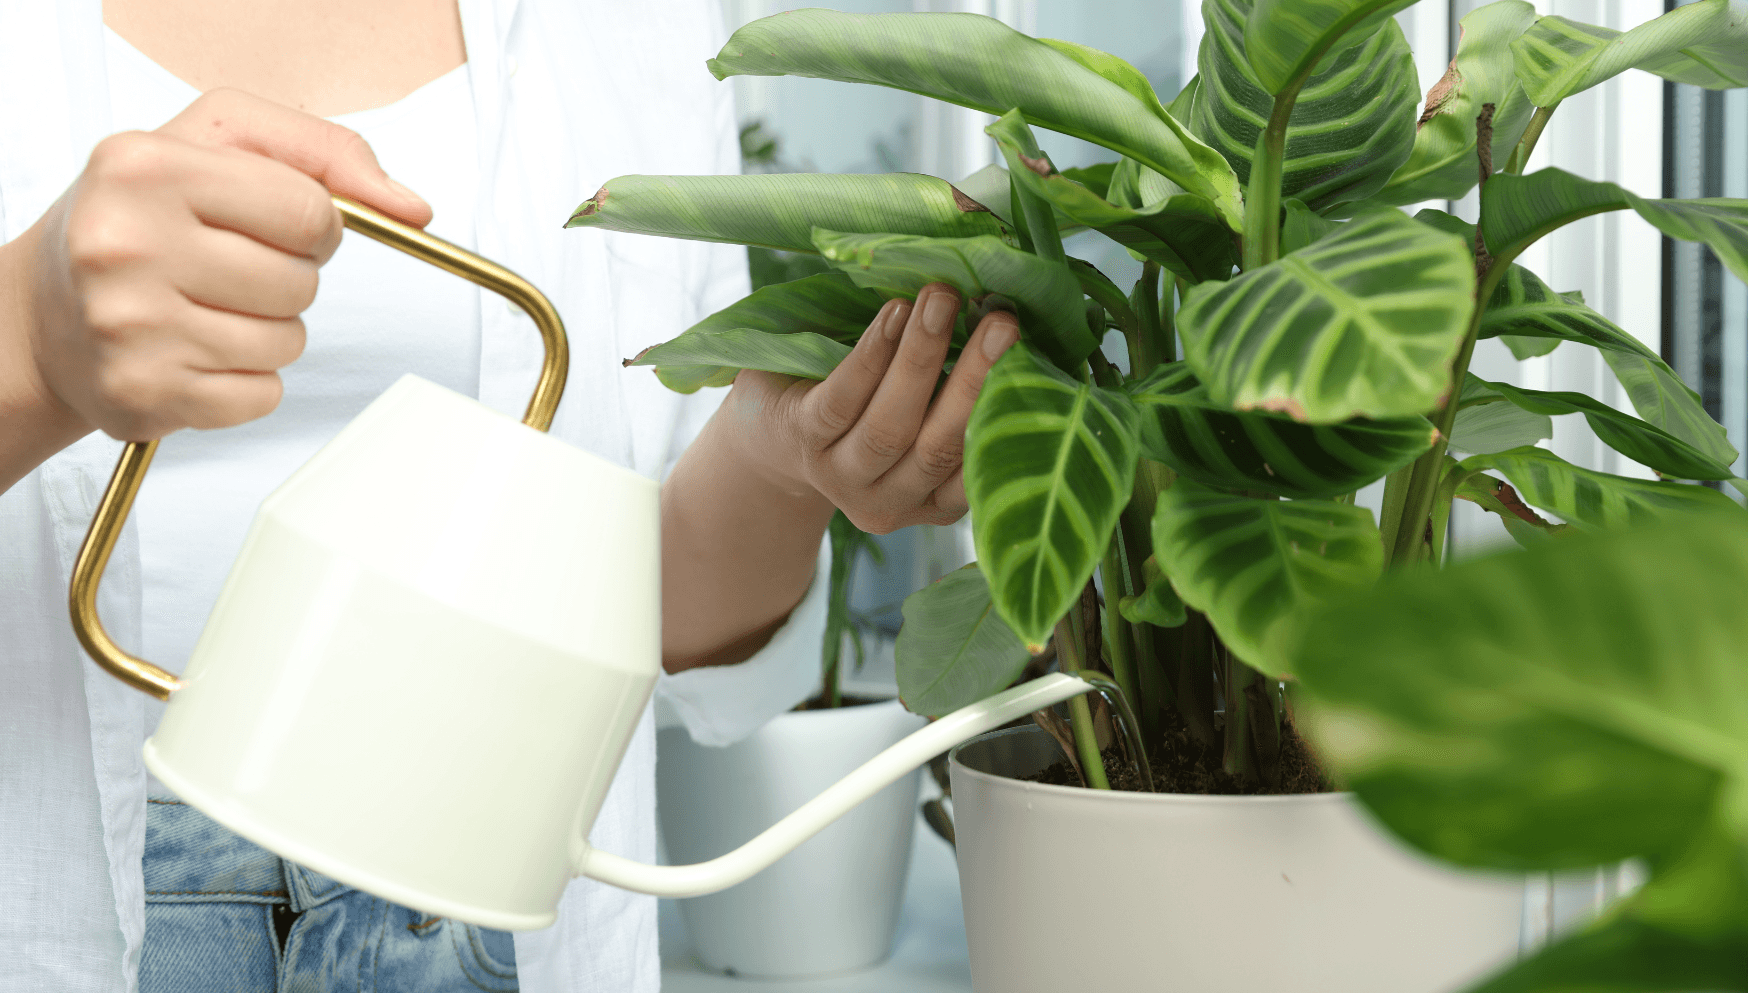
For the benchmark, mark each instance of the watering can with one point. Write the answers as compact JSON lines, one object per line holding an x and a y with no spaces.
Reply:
{"x":431,"y":653}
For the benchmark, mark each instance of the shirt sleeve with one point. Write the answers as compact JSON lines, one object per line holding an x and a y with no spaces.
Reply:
{"x":720,"y":705}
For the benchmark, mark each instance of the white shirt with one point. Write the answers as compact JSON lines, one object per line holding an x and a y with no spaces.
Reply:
{"x":565,"y":95}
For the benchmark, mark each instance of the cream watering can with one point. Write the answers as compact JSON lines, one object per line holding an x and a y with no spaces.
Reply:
{"x":432,"y":651}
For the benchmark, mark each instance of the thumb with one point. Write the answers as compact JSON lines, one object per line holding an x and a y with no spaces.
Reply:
{"x":335,"y":156}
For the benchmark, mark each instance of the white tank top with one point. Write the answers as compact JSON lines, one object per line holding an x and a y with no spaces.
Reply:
{"x":378,"y":314}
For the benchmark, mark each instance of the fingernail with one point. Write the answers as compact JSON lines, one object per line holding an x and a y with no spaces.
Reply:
{"x":939,"y":310}
{"x":998,"y":337}
{"x":897,"y":313}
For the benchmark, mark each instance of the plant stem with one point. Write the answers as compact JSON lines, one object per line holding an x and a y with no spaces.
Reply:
{"x":1039,"y":219}
{"x":1531,"y":134}
{"x":1262,"y":202}
{"x":1195,"y":684}
{"x":1070,"y":652}
{"x":1119,"y":641}
{"x":1103,"y":372}
{"x":1237,"y":757}
{"x":1146,"y":347}
{"x":1390,"y":513}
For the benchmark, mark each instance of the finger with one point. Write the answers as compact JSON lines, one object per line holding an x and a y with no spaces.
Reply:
{"x":218,"y":341}
{"x":228,"y":271}
{"x":332,"y":155}
{"x":886,"y":430}
{"x":226,"y":399}
{"x":949,"y":499}
{"x":832,"y":407}
{"x":940,"y":443}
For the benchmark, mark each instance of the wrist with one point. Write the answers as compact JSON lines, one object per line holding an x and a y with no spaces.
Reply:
{"x":38,"y":423}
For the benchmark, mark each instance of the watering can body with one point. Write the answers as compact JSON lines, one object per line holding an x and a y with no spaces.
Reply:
{"x":427,"y":661}
{"x":433,"y":649}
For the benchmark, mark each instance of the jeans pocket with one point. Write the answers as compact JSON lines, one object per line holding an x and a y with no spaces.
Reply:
{"x":488,"y":957}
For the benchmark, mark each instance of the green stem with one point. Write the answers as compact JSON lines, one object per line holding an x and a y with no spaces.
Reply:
{"x":1262,"y":202}
{"x":1070,"y":645}
{"x":1531,"y":134}
{"x":1103,"y":372}
{"x":1428,"y":470}
{"x":1237,"y":758}
{"x":1390,"y":514}
{"x":1119,"y":641}
{"x":1146,"y":347}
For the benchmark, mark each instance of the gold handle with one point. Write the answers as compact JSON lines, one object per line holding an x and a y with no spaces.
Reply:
{"x":118,"y":499}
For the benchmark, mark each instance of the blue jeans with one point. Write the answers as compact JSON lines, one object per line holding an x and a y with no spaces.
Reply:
{"x":224,"y":914}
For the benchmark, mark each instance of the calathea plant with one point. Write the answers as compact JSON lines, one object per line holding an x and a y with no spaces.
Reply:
{"x":1319,"y":353}
{"x":1293,"y":336}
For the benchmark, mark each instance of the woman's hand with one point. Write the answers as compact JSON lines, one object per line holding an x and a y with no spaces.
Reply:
{"x":163,"y":290}
{"x":873,"y":438}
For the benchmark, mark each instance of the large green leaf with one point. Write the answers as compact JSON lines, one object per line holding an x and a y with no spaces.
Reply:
{"x":781,"y":210}
{"x":1049,"y":463}
{"x":954,"y":649}
{"x":1704,"y":44}
{"x":828,"y":304}
{"x":1518,"y":210}
{"x":1524,"y":307}
{"x":1046,"y":295}
{"x":1661,"y":398}
{"x":801,"y":353}
{"x":1263,"y":451}
{"x":1353,"y":123}
{"x":979,"y":62}
{"x":1589,"y":499}
{"x":1578,"y":703}
{"x":1443,"y":165}
{"x":1184,"y":233}
{"x":1362,"y":323}
{"x":1487,"y":422}
{"x":1638,"y":440}
{"x":1255,"y":567}
{"x":1284,"y":40}
{"x":1624,"y":954}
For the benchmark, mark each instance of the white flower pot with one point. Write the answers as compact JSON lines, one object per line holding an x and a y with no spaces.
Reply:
{"x":828,"y":907}
{"x":1076,"y":889}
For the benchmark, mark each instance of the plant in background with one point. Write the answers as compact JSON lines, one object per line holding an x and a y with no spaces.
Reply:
{"x":1294,"y":336}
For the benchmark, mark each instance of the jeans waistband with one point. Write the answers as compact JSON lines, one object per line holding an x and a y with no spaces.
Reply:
{"x":190,"y":858}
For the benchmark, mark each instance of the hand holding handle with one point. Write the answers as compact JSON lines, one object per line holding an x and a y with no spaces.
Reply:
{"x":130,"y":471}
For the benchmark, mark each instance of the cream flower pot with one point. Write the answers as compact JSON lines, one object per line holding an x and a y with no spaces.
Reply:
{"x":830,"y":906}
{"x":1068,"y":888}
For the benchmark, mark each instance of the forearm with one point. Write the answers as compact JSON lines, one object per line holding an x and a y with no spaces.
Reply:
{"x":738,"y":553}
{"x":34,"y":424}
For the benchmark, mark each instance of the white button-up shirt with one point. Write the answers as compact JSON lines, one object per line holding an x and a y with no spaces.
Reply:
{"x":567,"y":94}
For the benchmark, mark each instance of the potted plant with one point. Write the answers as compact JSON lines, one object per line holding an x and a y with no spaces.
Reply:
{"x":1325,"y":338}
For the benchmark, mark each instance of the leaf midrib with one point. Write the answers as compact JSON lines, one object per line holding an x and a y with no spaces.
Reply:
{"x":1058,"y":474}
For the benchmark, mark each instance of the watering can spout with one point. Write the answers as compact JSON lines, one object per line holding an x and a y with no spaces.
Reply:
{"x":875,"y":775}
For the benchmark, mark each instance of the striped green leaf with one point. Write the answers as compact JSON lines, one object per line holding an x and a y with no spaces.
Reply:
{"x":1158,"y":604}
{"x":1703,"y":44}
{"x":954,"y":649}
{"x":1046,"y":295}
{"x":1363,"y":323}
{"x":1643,"y":442}
{"x":1589,"y":499}
{"x":781,"y":210}
{"x":1575,"y":704}
{"x":801,"y":353}
{"x":1285,"y":40}
{"x":1524,"y":307}
{"x":1262,"y":451}
{"x":1488,"y":422}
{"x":1443,"y":165}
{"x":1184,"y":233}
{"x":1049,"y":463}
{"x":1255,"y":567}
{"x":1353,"y":123}
{"x":1300,"y":226}
{"x":1518,"y":210}
{"x":828,"y":305}
{"x":979,"y":62}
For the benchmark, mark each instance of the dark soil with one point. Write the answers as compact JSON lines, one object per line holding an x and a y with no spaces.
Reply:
{"x":846,"y":700}
{"x":1183,"y":765}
